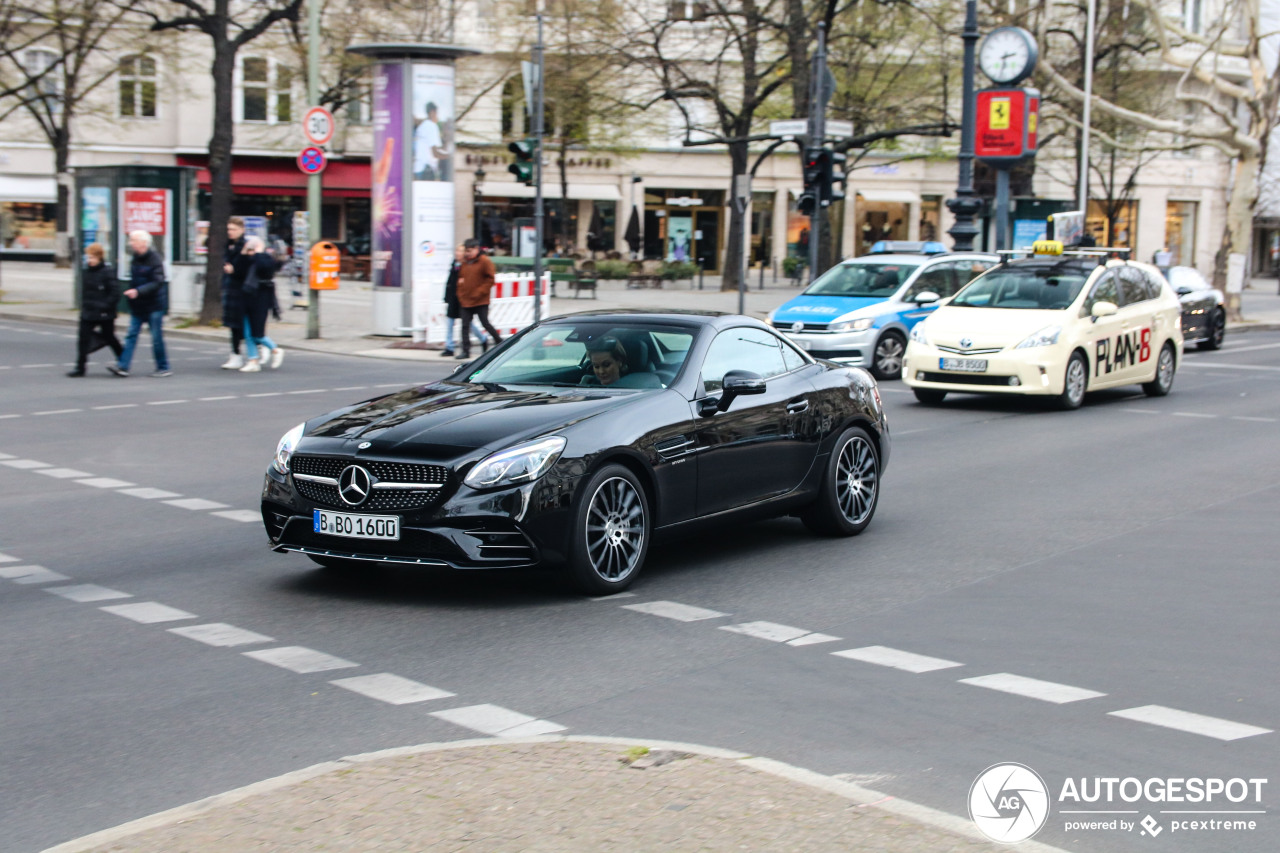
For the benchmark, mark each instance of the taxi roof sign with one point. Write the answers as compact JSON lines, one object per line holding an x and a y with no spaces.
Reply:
{"x":1047,"y":247}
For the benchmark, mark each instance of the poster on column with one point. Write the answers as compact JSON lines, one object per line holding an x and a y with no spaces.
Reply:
{"x":433,"y":195}
{"x":145,"y":209}
{"x":95,"y":217}
{"x":388,"y":175}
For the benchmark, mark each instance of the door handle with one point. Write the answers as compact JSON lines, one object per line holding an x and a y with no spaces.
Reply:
{"x":798,"y":407}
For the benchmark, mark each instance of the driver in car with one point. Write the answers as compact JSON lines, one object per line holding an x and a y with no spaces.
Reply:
{"x":608,"y":361}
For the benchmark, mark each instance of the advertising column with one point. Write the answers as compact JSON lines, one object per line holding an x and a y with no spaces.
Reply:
{"x":432,"y":107}
{"x":388,"y":198}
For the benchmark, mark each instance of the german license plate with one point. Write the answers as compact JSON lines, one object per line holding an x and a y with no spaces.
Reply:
{"x":357,"y":526}
{"x":964,"y":365}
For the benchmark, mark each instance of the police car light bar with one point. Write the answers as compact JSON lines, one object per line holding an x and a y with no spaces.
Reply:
{"x":907,"y":247}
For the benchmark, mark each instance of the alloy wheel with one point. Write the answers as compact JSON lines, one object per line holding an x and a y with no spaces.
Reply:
{"x":1075,"y":380}
{"x":857,"y":478}
{"x":888,"y":356}
{"x":615,"y":529}
{"x":1164,"y":369}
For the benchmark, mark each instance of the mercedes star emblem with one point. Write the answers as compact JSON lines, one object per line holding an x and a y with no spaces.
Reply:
{"x":966,"y":342}
{"x":354,"y":485}
{"x":797,"y":327}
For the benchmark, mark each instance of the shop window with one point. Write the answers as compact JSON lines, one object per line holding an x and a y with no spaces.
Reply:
{"x":930,"y":217}
{"x":266,"y":91}
{"x":1113,"y":225}
{"x":48,"y":88}
{"x":1180,"y":232}
{"x":137,"y":87}
{"x":27,"y":226}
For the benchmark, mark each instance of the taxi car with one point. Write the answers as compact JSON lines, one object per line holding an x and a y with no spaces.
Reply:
{"x":860,"y":312}
{"x":1054,"y":324}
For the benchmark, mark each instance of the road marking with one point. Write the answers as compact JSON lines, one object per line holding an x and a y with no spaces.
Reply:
{"x":213,"y":399}
{"x":221,"y":634}
{"x":7,"y":456}
{"x":148,"y":612}
{"x":266,"y":394}
{"x":105,"y":483}
{"x":674,"y":610}
{"x":812,"y":639}
{"x":5,"y":558}
{"x":38,"y":365}
{"x":239,"y":514}
{"x":167,"y":402}
{"x":1237,"y":349}
{"x":309,"y":391}
{"x":87,"y":592}
{"x":31,"y":574}
{"x":1199,"y":724}
{"x":896,"y":658}
{"x":25,"y":464}
{"x":1253,"y":420}
{"x":299,"y":659}
{"x":611,"y":597}
{"x":7,"y":417}
{"x":1032,"y":688}
{"x":352,"y":388}
{"x":1220,"y":366}
{"x":196,"y":503}
{"x":392,"y":689}
{"x":1134,"y":411}
{"x":1192,"y":415}
{"x":770,"y":631}
{"x":63,"y":473}
{"x":55,"y":412}
{"x":386,"y":385}
{"x":148,"y":493}
{"x":498,"y":721}
{"x":115,"y":406}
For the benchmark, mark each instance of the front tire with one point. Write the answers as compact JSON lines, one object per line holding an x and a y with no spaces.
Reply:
{"x":1075,"y":383}
{"x":610,"y":535}
{"x":929,"y":397}
{"x":1166,"y":364}
{"x":1217,"y":331}
{"x":850,"y":487}
{"x":886,"y":358}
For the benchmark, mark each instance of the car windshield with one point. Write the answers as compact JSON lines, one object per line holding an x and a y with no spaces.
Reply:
{"x":1188,"y":278}
{"x":592,"y":353}
{"x":1039,"y":287}
{"x":862,"y":278}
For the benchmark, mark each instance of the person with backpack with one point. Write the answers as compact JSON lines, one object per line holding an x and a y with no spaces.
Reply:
{"x":99,"y":293}
{"x":259,"y":299}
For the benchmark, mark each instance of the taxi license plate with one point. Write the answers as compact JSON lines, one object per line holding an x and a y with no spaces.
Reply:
{"x":357,"y":526}
{"x":964,"y":365}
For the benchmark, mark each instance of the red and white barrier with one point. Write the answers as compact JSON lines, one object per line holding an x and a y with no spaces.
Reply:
{"x":510,"y":305}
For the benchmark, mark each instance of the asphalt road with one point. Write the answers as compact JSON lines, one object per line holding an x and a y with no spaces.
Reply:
{"x":1123,"y":556}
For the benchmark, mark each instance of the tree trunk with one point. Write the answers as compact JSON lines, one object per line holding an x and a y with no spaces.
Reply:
{"x":733,"y":244}
{"x":1235,"y":236}
{"x":220,"y":191}
{"x":62,"y":216}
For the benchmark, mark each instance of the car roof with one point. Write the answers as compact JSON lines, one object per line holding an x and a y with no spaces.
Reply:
{"x":672,"y":317}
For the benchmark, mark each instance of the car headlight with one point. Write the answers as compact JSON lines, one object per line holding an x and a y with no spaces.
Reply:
{"x":859,"y":325}
{"x":285,"y":448}
{"x":1048,"y":336}
{"x":523,"y":463}
{"x":918,"y":335}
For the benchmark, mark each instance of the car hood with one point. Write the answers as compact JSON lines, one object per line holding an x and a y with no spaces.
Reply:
{"x":820,"y":309}
{"x":459,"y":417}
{"x":988,"y":328}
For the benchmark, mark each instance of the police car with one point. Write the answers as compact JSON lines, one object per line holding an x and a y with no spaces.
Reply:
{"x":861,"y":311}
{"x":1057,"y":323}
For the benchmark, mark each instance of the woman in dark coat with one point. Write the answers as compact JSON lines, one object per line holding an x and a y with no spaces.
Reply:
{"x":259,"y":299}
{"x":99,"y":295}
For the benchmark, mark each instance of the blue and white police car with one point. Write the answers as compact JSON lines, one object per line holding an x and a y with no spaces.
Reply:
{"x":861,"y":311}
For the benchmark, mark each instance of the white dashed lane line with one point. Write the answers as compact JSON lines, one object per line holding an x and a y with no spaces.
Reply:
{"x":1206,"y":415}
{"x":674,"y":610}
{"x":1032,"y":688}
{"x":242,"y":515}
{"x":62,"y":473}
{"x":300,"y":659}
{"x":1185,"y":721}
{"x":497,"y":721}
{"x":776,"y":633}
{"x":221,"y":634}
{"x":5,"y":558}
{"x":30,"y":574}
{"x":214,"y":399}
{"x":896,"y":658}
{"x":86,"y":592}
{"x":106,"y":483}
{"x":392,"y":689}
{"x":55,"y":412}
{"x":147,"y":493}
{"x":196,"y":504}
{"x":148,"y":612}
{"x":25,"y":464}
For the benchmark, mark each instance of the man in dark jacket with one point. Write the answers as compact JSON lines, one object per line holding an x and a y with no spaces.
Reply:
{"x":148,"y":296}
{"x":99,"y":293}
{"x":232,"y":284}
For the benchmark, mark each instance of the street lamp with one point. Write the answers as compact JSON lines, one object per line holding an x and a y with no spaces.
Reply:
{"x":476,"y":193}
{"x":967,"y":204}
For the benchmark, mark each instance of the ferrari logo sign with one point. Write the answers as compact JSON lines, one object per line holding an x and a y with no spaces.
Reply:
{"x":1006,"y":125}
{"x":1000,"y":111}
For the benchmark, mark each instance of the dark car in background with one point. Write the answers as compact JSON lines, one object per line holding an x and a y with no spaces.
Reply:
{"x":1204,"y":314}
{"x":542,"y":453}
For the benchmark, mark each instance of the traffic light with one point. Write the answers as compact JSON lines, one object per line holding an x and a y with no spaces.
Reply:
{"x":807,"y":203}
{"x":833,"y":175}
{"x":522,"y":168}
{"x":814,"y":158}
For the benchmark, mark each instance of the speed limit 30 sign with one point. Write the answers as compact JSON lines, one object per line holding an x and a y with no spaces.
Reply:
{"x":317,"y":125}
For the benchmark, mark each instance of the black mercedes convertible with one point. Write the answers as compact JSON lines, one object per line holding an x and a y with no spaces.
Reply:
{"x":579,"y":441}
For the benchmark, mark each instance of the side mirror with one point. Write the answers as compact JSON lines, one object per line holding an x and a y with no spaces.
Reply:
{"x":925,"y":297}
{"x":739,"y":383}
{"x":1103,"y":309}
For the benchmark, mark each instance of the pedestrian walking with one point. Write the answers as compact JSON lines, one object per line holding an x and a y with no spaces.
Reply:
{"x":475,"y":282}
{"x":232,"y":285}
{"x":99,"y":293}
{"x":453,"y":310}
{"x":148,"y":296}
{"x":259,"y":299}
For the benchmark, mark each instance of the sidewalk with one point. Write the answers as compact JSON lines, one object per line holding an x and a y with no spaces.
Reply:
{"x":40,"y":293}
{"x":550,"y":794}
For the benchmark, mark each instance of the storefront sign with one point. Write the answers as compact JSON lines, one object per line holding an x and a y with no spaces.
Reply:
{"x":1006,"y":125}
{"x":388,"y":174}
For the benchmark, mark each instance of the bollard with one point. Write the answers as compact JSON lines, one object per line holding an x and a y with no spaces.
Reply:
{"x":762,"y":275}
{"x":700,"y":273}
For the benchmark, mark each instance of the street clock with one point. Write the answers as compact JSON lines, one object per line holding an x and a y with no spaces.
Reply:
{"x":1007,"y":55}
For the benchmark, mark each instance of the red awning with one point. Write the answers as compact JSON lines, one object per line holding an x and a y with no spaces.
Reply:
{"x":281,"y":176}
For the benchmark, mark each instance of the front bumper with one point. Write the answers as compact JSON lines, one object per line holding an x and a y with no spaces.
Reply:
{"x":851,"y":348}
{"x":516,"y":527}
{"x":1032,"y":371}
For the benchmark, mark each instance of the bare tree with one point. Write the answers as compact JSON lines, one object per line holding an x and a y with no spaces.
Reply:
{"x":229,"y":29}
{"x":52,"y":59}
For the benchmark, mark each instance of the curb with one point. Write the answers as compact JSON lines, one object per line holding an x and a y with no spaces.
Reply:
{"x":862,"y":797}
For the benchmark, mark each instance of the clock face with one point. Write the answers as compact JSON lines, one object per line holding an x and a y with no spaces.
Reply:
{"x":1007,"y":54}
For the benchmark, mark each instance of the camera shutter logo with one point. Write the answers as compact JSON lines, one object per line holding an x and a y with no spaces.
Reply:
{"x":1009,"y":802}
